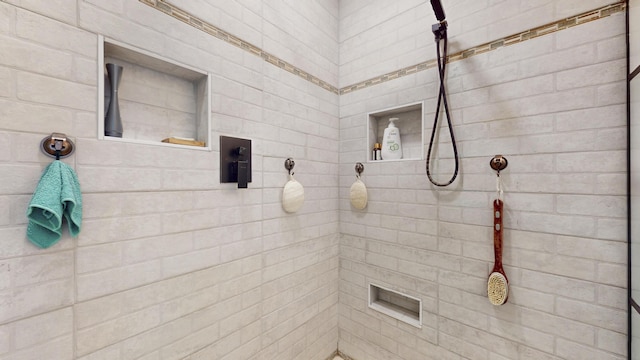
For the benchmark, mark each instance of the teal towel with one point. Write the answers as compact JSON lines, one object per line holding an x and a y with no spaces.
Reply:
{"x":57,"y":195}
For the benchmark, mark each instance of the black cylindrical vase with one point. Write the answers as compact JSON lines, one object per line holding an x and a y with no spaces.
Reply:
{"x":112,"y":120}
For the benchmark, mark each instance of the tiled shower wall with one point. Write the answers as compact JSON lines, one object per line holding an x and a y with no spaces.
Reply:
{"x":555,"y":107}
{"x":171,"y":264}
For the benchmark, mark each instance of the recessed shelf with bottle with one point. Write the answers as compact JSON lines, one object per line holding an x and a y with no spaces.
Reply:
{"x":160,"y":101}
{"x":408,"y":120}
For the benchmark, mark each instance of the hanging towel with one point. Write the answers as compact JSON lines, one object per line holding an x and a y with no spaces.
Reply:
{"x":57,"y":196}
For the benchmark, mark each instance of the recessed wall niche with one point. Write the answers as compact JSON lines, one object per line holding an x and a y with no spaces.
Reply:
{"x":397,"y":305}
{"x":411,"y":124}
{"x":159,"y":99}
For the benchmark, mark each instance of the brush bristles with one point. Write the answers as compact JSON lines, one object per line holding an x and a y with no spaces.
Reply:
{"x":497,"y":288}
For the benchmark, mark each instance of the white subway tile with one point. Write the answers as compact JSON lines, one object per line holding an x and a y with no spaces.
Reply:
{"x":50,"y":91}
{"x":100,"y":179}
{"x":497,"y":344}
{"x":5,"y":210}
{"x":604,"y":206}
{"x":571,"y":330}
{"x":189,"y":262}
{"x":612,"y":274}
{"x":559,"y":285}
{"x":555,"y":224}
{"x":55,"y":34}
{"x":182,"y":306}
{"x":98,"y":257}
{"x":595,"y":315}
{"x":556,"y":264}
{"x":572,"y":351}
{"x":105,"y":282}
{"x":558,"y":60}
{"x":612,"y":296}
{"x":59,"y":349}
{"x":195,"y":345}
{"x":44,"y":268}
{"x":532,"y":354}
{"x":602,"y":73}
{"x":605,"y":251}
{"x":590,"y":32}
{"x":531,"y":299}
{"x":111,"y":332}
{"x":612,"y":341}
{"x":42,"y":328}
{"x":612,"y":229}
{"x":7,"y":18}
{"x":118,"y":229}
{"x":5,"y":339}
{"x":110,"y":352}
{"x":604,"y":161}
{"x":27,"y":56}
{"x":612,"y":93}
{"x":7,"y":83}
{"x":24,"y":179}
{"x":541,"y":340}
{"x":5,"y":275}
{"x":98,"y":310}
{"x":36,"y":299}
{"x":591,"y":118}
{"x":141,"y":250}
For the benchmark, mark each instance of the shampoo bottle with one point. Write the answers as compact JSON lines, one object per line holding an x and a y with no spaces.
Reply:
{"x":391,"y":145}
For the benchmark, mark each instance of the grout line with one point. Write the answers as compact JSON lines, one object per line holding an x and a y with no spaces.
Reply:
{"x":552,"y":27}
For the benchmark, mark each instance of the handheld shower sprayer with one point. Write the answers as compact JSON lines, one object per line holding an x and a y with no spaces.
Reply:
{"x":438,"y":10}
{"x":440,"y":33}
{"x":439,"y":29}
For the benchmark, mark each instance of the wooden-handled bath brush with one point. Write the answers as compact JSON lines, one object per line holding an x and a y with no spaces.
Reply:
{"x":498,"y":284}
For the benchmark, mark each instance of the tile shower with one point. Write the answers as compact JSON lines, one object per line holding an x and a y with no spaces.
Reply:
{"x":171,"y":264}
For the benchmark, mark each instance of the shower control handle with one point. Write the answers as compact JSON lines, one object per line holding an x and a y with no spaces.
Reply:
{"x":242,"y":167}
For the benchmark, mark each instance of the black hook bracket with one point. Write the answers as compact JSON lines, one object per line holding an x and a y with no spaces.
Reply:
{"x":57,"y":146}
{"x":498,"y":163}
{"x":289,"y":164}
{"x":359,"y":169}
{"x":439,"y":30}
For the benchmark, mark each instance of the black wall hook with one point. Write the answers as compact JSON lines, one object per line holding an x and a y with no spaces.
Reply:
{"x":498,"y":163}
{"x":57,"y":146}
{"x":289,"y":164}
{"x":359,"y":169}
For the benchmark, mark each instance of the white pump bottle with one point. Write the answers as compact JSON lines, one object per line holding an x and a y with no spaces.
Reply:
{"x":391,"y":144}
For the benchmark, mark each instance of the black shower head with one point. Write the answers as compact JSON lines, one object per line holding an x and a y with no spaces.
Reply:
{"x":437,"y":9}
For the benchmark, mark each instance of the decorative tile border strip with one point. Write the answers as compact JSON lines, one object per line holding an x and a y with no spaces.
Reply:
{"x":215,"y":31}
{"x":496,"y":44}
{"x":192,"y":20}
